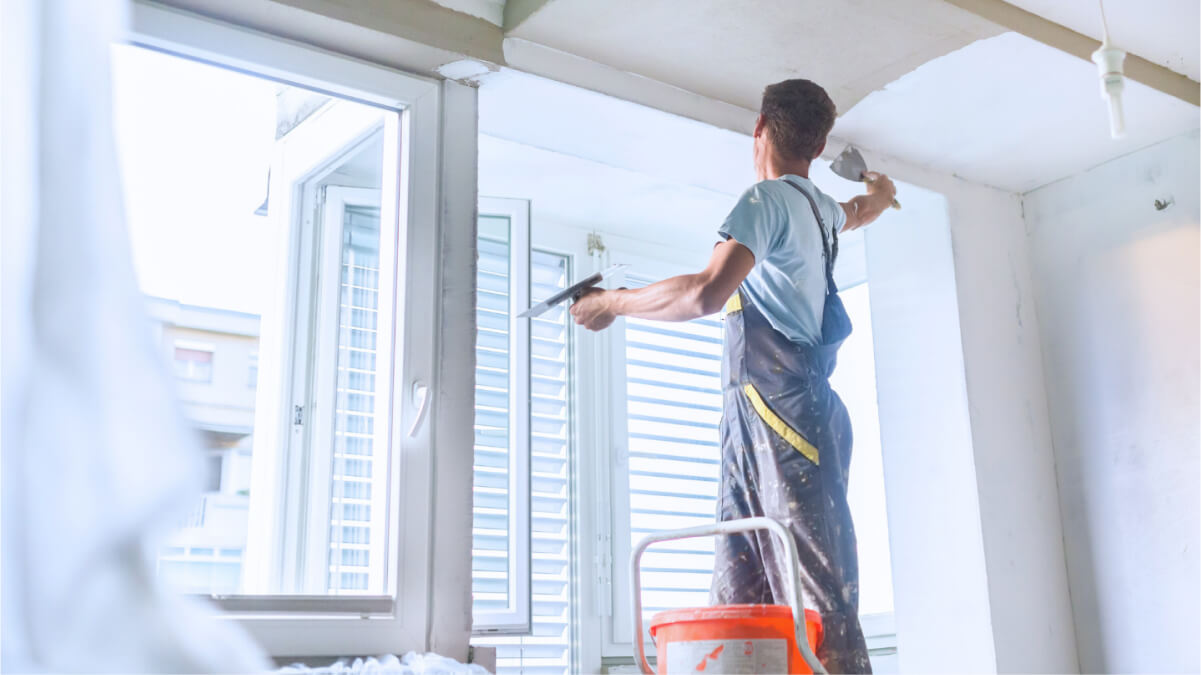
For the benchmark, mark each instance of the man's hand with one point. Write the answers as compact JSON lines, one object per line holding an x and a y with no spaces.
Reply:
{"x":680,"y":298}
{"x":880,"y":186}
{"x":862,"y":210}
{"x":594,"y":309}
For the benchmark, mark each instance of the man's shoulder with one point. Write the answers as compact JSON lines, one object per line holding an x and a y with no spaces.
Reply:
{"x":782,"y":188}
{"x":765,"y":191}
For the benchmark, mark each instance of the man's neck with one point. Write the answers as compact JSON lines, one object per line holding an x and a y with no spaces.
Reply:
{"x":775,"y":167}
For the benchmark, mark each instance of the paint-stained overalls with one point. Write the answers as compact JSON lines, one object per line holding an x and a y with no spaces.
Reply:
{"x":786,"y":448}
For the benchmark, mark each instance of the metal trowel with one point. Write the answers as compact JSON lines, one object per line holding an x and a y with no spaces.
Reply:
{"x":572,"y":293}
{"x":850,"y":165}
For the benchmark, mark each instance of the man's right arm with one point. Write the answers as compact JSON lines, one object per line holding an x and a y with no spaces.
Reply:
{"x":862,"y":210}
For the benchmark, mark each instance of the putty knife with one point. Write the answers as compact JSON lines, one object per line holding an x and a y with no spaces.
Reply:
{"x":850,"y":165}
{"x":573,"y":292}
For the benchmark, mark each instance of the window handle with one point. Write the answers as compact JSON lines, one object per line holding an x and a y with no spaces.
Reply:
{"x":421,"y":401}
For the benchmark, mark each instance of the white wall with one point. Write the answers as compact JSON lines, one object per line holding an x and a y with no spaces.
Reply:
{"x":1117,"y":294}
{"x":938,"y":566}
{"x":1011,"y":435}
{"x":973,"y":514}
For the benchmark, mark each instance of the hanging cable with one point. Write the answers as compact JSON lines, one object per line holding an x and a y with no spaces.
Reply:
{"x":1109,"y":60}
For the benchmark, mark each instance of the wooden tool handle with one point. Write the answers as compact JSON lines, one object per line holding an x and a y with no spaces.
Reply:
{"x":895,"y":204}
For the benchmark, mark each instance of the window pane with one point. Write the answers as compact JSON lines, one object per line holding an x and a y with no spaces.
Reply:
{"x":673,"y":390}
{"x":193,"y":364}
{"x":548,"y":650}
{"x":212,"y":479}
{"x":490,"y":527}
{"x":354,"y":441}
{"x":254,"y":211}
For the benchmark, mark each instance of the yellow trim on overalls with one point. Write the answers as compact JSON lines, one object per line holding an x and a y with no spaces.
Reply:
{"x":734,"y":304}
{"x":778,"y":425}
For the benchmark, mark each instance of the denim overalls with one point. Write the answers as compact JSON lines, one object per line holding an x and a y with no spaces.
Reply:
{"x":786,"y":448}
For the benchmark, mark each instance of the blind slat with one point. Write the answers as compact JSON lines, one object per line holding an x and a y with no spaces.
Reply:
{"x":673,"y":403}
{"x":548,"y":650}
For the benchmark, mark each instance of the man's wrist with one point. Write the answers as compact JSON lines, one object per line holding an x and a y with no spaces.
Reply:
{"x":616,"y":300}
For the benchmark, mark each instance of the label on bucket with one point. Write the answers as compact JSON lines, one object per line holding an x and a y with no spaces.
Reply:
{"x":728,"y":656}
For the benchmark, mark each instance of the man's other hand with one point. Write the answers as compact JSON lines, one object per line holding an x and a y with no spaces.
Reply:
{"x":594,"y":309}
{"x":879,"y":184}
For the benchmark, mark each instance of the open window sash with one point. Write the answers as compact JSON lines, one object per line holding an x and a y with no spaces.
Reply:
{"x":288,"y":545}
{"x":501,"y":570}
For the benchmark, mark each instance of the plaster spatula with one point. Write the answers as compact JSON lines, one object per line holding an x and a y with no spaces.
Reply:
{"x":572,"y":292}
{"x":850,"y":165}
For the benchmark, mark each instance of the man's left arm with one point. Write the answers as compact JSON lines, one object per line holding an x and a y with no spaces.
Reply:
{"x":680,"y":298}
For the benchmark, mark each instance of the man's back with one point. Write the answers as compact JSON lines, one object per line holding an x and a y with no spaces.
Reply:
{"x":788,"y":284}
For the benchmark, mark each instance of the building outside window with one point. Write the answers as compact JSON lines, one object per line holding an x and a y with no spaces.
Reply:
{"x":193,"y":362}
{"x":252,"y":370}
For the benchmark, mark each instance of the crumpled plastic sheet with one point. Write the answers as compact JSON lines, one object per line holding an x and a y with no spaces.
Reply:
{"x":410,"y":664}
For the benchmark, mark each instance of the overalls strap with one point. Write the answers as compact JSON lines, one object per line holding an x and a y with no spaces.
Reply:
{"x":829,"y":252}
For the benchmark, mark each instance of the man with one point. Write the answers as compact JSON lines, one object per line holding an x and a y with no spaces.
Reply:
{"x":786,"y":437}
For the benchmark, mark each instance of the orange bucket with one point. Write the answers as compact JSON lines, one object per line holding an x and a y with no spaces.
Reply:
{"x":732,"y":639}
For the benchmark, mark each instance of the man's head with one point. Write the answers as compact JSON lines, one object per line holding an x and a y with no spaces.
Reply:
{"x":794,"y":120}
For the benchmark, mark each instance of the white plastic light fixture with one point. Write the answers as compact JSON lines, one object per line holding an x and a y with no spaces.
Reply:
{"x":1109,"y":60}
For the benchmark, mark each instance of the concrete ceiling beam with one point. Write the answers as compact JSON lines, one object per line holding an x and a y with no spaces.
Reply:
{"x":415,"y":35}
{"x":1065,"y":39}
{"x":517,"y":11}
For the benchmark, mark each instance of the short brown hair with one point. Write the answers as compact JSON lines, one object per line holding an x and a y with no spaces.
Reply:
{"x":799,"y":115}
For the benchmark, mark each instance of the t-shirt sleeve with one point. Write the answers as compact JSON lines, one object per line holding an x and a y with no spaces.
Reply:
{"x":840,"y":216}
{"x":755,"y":222}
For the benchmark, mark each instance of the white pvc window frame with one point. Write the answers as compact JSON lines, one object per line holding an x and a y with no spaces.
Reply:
{"x":515,"y":618}
{"x":398,"y":621}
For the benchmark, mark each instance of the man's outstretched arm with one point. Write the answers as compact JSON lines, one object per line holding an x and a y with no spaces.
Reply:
{"x":682,"y":298}
{"x":862,"y":210}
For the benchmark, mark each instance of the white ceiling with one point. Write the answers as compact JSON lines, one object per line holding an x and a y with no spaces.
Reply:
{"x":728,"y":50}
{"x":910,"y":77}
{"x":1009,"y":112}
{"x":1161,"y":31}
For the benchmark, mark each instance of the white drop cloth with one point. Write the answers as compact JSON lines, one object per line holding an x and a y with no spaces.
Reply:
{"x":411,"y":664}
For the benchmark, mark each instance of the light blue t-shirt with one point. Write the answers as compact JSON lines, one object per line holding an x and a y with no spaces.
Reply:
{"x":788,"y":282}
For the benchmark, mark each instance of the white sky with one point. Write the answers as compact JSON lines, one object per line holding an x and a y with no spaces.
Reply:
{"x":195,"y":144}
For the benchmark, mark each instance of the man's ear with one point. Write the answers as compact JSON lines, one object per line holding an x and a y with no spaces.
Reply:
{"x":760,"y":125}
{"x":821,"y":149}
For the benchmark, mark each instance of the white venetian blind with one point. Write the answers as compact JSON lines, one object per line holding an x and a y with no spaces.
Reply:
{"x":490,"y":524}
{"x":354,"y":463}
{"x":548,"y":649}
{"x":673,"y":405}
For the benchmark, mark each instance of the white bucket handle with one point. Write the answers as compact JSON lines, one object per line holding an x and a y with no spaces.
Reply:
{"x":725,"y":527}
